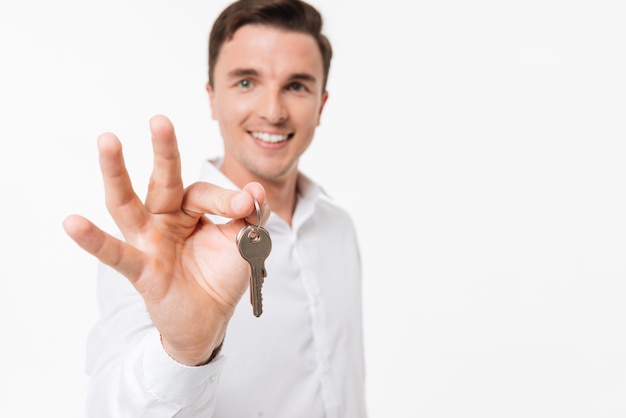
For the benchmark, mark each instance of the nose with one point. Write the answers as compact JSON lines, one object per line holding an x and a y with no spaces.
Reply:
{"x":272,"y":107}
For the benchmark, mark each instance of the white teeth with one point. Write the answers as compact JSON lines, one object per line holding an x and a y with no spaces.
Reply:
{"x":273,"y":138}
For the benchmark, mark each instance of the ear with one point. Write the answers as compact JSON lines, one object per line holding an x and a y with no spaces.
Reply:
{"x":211,"y":93}
{"x":319,"y":115}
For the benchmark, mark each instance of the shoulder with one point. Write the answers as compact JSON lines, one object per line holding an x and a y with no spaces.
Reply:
{"x":329,"y":207}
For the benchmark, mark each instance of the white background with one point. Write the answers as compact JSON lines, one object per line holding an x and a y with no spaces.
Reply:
{"x":479,"y":145}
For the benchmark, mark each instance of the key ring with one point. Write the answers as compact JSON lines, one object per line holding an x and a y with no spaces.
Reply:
{"x":258,"y":214}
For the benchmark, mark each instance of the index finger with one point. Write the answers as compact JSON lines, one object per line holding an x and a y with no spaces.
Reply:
{"x":206,"y":198}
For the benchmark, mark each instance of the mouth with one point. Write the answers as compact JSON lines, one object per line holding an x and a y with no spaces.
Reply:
{"x":271,"y":138}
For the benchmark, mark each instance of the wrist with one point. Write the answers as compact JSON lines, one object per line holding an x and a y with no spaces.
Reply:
{"x":193,"y":358}
{"x":214,"y":354}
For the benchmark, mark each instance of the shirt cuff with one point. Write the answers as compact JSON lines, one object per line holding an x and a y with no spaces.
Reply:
{"x":177,"y":383}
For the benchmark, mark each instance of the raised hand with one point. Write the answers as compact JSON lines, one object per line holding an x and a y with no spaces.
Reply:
{"x":187,"y":269}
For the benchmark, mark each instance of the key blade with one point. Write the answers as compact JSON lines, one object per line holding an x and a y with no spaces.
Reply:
{"x":256,"y":284}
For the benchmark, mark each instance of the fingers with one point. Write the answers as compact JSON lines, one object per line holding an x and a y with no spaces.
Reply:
{"x":121,"y":256}
{"x":165,"y":191}
{"x":123,"y":204}
{"x":201,"y":198}
{"x":257,"y":190}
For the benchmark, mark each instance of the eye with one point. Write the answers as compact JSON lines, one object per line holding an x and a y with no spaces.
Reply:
{"x":244,"y":84}
{"x":297,"y":87}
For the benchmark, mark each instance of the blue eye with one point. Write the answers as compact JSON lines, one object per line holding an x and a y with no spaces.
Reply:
{"x":244,"y":83}
{"x":297,"y":87}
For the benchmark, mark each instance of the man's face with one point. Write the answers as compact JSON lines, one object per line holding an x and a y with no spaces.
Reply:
{"x":267,"y":97}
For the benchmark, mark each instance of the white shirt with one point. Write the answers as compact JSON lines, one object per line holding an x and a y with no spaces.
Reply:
{"x":303,"y":358}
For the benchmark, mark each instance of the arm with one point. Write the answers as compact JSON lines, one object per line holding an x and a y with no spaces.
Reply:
{"x":130,"y":373}
{"x":186,"y":269}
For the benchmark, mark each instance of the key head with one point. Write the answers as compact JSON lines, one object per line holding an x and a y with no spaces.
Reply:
{"x":254,"y":243}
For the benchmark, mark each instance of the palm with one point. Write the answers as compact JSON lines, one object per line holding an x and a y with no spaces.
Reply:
{"x":181,"y":251}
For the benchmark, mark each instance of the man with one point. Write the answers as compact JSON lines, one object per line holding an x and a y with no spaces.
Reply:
{"x":173,"y":339}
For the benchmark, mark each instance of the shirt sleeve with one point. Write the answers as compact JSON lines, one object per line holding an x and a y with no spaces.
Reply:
{"x":130,"y":373}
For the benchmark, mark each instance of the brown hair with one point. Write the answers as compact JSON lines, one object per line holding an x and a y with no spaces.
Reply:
{"x":291,"y":15}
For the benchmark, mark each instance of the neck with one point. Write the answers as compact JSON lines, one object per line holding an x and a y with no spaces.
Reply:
{"x":282,"y":197}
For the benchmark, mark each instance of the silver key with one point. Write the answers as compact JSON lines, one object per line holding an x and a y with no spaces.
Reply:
{"x":254,"y":245}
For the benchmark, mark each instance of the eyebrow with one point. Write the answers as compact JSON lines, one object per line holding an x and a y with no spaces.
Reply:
{"x":242,"y":72}
{"x":250,"y":72}
{"x":303,"y":77}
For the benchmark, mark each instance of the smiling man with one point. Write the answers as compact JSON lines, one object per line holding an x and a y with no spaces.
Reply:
{"x":267,"y":91}
{"x":173,"y":339}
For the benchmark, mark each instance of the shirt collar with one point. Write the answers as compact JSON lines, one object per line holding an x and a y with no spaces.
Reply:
{"x":309,"y":192}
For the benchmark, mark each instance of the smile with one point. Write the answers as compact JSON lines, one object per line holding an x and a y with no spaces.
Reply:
{"x":270,"y":138}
